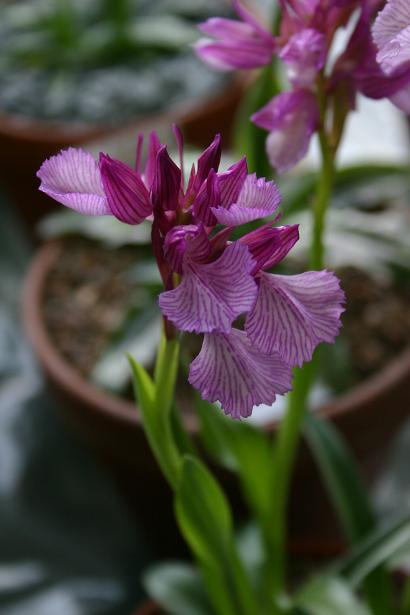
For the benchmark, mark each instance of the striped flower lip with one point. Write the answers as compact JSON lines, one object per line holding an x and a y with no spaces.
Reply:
{"x":210,"y":282}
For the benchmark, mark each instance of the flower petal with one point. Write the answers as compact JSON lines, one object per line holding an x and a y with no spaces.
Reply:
{"x":167,"y":182}
{"x":292,"y":118}
{"x":190,"y":240}
{"x":269,"y":245}
{"x":127,"y":196}
{"x":211,"y":296}
{"x":239,"y":44}
{"x":293,"y":314}
{"x":395,"y":54}
{"x":231,"y":181}
{"x":207,"y":198}
{"x":154,"y":145}
{"x":257,"y":199}
{"x":394,"y":18}
{"x":73,"y":178}
{"x":230,"y":370}
{"x":305,"y":55}
{"x":209,"y":159}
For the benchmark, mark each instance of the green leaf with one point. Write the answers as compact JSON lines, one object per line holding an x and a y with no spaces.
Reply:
{"x":205,"y":521}
{"x":242,"y":448}
{"x":166,"y":369}
{"x":349,"y":496}
{"x":156,"y":424}
{"x":341,"y":477}
{"x":329,"y":596}
{"x":380,"y":547}
{"x":178,"y":589}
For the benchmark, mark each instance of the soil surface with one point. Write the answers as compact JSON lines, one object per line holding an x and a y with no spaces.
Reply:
{"x":88,"y":292}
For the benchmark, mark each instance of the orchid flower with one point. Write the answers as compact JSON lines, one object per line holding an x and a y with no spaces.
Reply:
{"x":210,"y":281}
{"x":303,"y":44}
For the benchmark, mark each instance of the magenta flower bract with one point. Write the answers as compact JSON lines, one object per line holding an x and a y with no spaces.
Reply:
{"x":256,"y":325}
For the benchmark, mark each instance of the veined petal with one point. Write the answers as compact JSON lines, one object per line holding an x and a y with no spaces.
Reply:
{"x":257,"y":199}
{"x":395,"y":54}
{"x":167,"y":182}
{"x":188,"y":240}
{"x":207,"y":198}
{"x":154,"y":145}
{"x":211,"y":296}
{"x":269,"y":244}
{"x":231,"y":181}
{"x":291,"y":118}
{"x":232,"y":371}
{"x":293,"y":314}
{"x":128,"y":198}
{"x":73,"y":178}
{"x":209,"y":159}
{"x":394,"y":18}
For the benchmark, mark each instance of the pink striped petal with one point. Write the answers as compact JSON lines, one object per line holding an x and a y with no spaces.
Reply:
{"x":231,"y":181}
{"x":127,"y":196}
{"x":73,"y":178}
{"x":211,"y":296}
{"x":269,"y":245}
{"x":208,"y":196}
{"x":293,"y":314}
{"x":232,"y":371}
{"x":190,"y":240}
{"x":257,"y":199}
{"x":209,"y":159}
{"x":396,"y":54}
{"x":394,"y":18}
{"x":154,"y":145}
{"x":167,"y":182}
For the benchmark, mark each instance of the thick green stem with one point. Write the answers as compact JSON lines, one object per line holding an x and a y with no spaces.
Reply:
{"x":287,"y":440}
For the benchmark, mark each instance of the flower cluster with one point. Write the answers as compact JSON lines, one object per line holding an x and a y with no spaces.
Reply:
{"x":377,"y":66}
{"x":209,"y":281}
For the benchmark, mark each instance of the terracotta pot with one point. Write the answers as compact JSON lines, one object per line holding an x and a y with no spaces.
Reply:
{"x":25,"y":143}
{"x":368,"y":416}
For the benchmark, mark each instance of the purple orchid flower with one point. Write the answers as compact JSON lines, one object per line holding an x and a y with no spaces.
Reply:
{"x":210,"y":282}
{"x":291,"y":118}
{"x":235,"y":44}
{"x":359,"y":67}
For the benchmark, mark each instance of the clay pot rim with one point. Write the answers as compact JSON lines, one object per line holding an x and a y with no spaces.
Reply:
{"x":18,"y":126}
{"x":99,"y":401}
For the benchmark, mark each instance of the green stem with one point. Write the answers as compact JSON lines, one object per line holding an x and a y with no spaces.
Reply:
{"x":287,"y":440}
{"x":324,"y":194}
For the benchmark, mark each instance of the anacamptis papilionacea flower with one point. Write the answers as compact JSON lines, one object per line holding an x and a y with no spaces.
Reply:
{"x":210,"y":282}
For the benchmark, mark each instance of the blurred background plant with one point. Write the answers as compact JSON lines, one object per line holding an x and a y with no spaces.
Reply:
{"x":76,"y":61}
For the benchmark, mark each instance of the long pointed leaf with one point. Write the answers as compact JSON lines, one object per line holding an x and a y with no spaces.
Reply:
{"x":377,"y":549}
{"x":351,"y":502}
